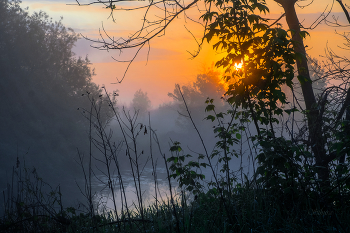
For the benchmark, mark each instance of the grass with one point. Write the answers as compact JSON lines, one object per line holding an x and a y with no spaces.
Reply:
{"x":251,"y":210}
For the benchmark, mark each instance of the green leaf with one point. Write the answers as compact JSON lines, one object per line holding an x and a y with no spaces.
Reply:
{"x":210,"y":117}
{"x":278,"y":111}
{"x":175,"y":148}
{"x":209,"y":108}
{"x":291,"y":110}
{"x":303,"y":34}
{"x":220,"y":115}
{"x":238,"y":136}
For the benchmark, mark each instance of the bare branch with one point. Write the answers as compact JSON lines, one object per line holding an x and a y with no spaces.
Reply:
{"x":344,"y":9}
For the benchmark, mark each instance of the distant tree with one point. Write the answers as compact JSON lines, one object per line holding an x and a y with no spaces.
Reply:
{"x":209,"y":84}
{"x":141,"y":102}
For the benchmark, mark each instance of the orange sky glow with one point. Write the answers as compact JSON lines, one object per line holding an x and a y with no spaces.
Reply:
{"x":168,"y":62}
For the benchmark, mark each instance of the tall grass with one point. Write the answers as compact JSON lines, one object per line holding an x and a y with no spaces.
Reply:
{"x":196,"y":204}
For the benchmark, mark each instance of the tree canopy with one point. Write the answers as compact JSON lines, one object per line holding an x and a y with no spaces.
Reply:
{"x":141,"y":102}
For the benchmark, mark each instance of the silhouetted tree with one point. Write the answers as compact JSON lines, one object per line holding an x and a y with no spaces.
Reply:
{"x":141,"y":102}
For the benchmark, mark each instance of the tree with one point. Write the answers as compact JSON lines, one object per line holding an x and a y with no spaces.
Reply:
{"x":206,"y":85}
{"x":268,"y":53}
{"x":141,"y":102}
{"x":42,"y":86}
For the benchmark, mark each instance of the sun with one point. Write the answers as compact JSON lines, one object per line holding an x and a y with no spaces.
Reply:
{"x":238,"y":65}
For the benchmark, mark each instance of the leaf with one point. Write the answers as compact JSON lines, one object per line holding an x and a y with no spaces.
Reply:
{"x":261,"y":7}
{"x":209,"y":108}
{"x":303,"y":79}
{"x":175,"y":148}
{"x":303,"y":34}
{"x":253,"y":18}
{"x":260,"y":27}
{"x":210,"y":117}
{"x":238,"y":136}
{"x":278,"y":111}
{"x":220,"y":115}
{"x":291,"y":110}
{"x":231,"y":100}
{"x":170,"y":159}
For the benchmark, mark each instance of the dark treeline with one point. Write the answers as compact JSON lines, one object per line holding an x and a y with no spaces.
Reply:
{"x":41,"y":89}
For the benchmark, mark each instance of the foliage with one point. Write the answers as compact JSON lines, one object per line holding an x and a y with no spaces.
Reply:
{"x":187,"y":178}
{"x":266,"y":53}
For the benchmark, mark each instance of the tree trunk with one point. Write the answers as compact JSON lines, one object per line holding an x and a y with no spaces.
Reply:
{"x":313,"y":116}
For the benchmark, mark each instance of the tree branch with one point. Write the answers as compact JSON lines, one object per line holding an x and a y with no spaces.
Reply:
{"x":344,"y":9}
{"x":343,"y":108}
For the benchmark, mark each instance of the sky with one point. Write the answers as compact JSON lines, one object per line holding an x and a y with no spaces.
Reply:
{"x":169,"y":61}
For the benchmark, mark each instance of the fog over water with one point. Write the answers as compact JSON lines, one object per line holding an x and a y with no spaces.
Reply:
{"x":170,"y":125}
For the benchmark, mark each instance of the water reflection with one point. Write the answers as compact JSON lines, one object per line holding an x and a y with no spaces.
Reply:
{"x":104,"y":199}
